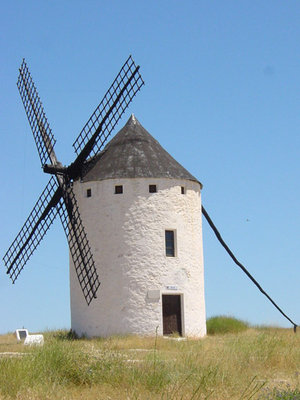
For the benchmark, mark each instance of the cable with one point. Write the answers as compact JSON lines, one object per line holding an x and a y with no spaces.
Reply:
{"x":219,"y":237}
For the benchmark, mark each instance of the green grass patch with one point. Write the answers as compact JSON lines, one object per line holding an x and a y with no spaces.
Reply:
{"x":223,"y":324}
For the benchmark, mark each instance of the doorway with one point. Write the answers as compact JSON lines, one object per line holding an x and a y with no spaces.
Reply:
{"x":171,"y":307}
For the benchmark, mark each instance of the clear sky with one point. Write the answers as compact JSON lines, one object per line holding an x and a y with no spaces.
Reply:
{"x":222,"y":96}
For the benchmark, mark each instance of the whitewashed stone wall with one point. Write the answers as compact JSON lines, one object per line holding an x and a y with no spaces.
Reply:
{"x":127,"y":235}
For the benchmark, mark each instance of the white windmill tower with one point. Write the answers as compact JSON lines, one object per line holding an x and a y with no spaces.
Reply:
{"x":142,"y":212}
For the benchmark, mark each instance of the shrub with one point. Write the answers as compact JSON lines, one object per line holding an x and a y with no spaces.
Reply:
{"x":222,"y":324}
{"x":66,"y":335}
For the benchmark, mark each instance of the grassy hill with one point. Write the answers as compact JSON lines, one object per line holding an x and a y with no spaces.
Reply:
{"x":243,"y":363}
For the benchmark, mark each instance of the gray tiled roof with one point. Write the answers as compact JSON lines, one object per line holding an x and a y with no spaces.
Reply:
{"x":134,"y":153}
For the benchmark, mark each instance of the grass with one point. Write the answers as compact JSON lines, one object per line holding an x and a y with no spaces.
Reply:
{"x":250,"y":364}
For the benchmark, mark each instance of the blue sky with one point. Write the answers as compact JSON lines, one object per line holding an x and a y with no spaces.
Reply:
{"x":222,"y":96}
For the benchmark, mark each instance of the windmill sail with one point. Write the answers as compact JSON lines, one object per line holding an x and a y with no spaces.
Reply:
{"x":38,"y":122}
{"x":79,"y":246}
{"x":33,"y":230}
{"x":111,"y":108}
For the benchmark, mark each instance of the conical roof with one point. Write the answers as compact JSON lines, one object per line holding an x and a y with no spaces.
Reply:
{"x":134,"y":153}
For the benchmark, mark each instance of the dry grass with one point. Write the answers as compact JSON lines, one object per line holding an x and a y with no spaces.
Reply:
{"x":8,"y":343}
{"x":229,"y":366}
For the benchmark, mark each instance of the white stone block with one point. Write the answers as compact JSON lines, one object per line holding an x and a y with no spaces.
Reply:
{"x":36,"y":340}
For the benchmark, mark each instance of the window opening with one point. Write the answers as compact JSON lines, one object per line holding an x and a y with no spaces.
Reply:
{"x":89,"y":193}
{"x":170,"y":243}
{"x":118,"y":189}
{"x":182,"y":190}
{"x":152,"y":189}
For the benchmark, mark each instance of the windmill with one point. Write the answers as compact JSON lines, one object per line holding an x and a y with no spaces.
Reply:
{"x":142,"y":205}
{"x":58,"y":196}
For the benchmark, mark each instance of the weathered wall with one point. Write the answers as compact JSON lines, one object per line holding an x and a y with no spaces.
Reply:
{"x":127,"y":235}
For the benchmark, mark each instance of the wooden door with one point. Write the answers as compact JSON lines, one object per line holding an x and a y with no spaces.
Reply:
{"x":171,"y":305}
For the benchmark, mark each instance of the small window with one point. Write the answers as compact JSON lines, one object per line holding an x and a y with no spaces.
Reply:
{"x":89,"y":193}
{"x":170,"y":243}
{"x":182,"y":190}
{"x":118,"y":189}
{"x":152,"y":189}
